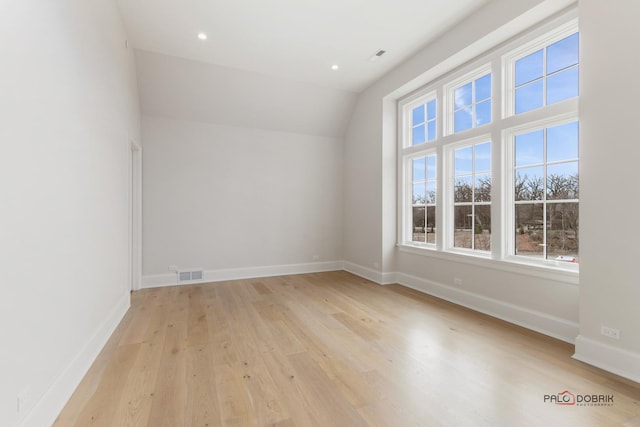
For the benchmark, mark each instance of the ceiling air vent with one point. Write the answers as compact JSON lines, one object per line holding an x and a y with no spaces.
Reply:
{"x":377,"y":55}
{"x":188,"y":276}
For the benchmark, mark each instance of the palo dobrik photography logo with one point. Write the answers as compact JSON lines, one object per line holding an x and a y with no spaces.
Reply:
{"x":565,"y":397}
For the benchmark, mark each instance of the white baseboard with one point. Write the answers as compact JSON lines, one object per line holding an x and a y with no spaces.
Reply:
{"x":610,"y":358}
{"x":159,"y":280}
{"x":378,"y":277}
{"x":552,"y":326}
{"x":155,"y":281}
{"x":388,"y":278}
{"x":48,"y":407}
{"x":546,"y":324}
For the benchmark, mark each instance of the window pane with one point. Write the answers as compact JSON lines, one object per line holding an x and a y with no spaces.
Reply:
{"x":482,"y":192}
{"x":529,"y":68}
{"x":430,"y":226}
{"x":462,"y":230}
{"x":482,"y":228}
{"x":463,"y":190}
{"x":529,"y":230}
{"x":563,"y":85}
{"x":431,"y":109}
{"x":462,"y":120}
{"x":463,"y":159}
{"x":529,"y":184}
{"x":530,"y":148}
{"x":418,"y":193}
{"x":418,"y":115}
{"x":431,"y":131}
{"x":562,"y":181}
{"x":529,"y":97}
{"x":562,"y":142}
{"x":419,"y":169}
{"x":483,"y":157}
{"x":431,"y":192}
{"x":462,"y":96}
{"x":562,"y":231}
{"x":483,"y":88}
{"x":431,"y":167}
{"x":562,"y":54}
{"x":418,"y":234}
{"x":418,"y":135}
{"x":483,"y":113}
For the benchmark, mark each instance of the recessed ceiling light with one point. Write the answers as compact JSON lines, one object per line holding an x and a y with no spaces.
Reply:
{"x":202,"y":36}
{"x":334,"y":67}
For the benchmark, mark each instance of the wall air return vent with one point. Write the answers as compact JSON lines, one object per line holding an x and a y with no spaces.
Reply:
{"x":189,"y":276}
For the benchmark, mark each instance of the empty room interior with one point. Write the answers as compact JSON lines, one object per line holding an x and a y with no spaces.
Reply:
{"x":319,"y":213}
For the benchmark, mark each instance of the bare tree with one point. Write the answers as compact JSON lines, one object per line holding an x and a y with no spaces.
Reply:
{"x":535,"y":188}
{"x":463,"y":191}
{"x":519,"y":187}
{"x":483,"y":189}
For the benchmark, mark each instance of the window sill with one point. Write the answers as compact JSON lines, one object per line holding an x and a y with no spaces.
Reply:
{"x":553,"y":271}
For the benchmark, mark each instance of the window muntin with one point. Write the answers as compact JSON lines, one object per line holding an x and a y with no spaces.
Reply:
{"x":472,"y":196}
{"x":423,"y":199}
{"x":423,"y":122}
{"x":472,"y":103}
{"x":547,"y":76}
{"x":546,"y":193}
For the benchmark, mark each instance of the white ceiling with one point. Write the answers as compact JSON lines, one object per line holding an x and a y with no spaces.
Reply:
{"x":294,"y":39}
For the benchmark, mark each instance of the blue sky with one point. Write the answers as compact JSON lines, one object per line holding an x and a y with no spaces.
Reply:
{"x":463,"y":159}
{"x":544,"y":77}
{"x":464,"y":103}
{"x":560,"y":74}
{"x":562,"y":145}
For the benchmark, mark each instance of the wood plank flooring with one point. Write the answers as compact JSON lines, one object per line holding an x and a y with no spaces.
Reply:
{"x":332,"y":350}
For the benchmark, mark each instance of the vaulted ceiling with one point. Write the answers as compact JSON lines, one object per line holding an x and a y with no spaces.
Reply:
{"x":294,"y":39}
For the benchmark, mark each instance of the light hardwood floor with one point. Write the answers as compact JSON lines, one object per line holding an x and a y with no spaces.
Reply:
{"x":330,"y":350}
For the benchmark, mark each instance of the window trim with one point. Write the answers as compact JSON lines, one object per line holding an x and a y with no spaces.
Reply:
{"x":508,"y":178}
{"x":549,"y":272}
{"x":509,"y":60}
{"x":449,"y":225}
{"x":449,"y":98}
{"x":407,"y":116}
{"x":493,"y":58}
{"x":408,"y":199}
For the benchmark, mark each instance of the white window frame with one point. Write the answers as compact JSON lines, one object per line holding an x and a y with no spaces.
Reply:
{"x":508,"y":148}
{"x":449,"y":151}
{"x":500,"y":62}
{"x":449,"y":100}
{"x":408,"y":191}
{"x":407,"y":116}
{"x":509,"y":61}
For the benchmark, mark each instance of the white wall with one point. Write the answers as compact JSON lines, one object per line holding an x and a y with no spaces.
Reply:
{"x":608,"y":292}
{"x":68,"y":107}
{"x":609,"y":278}
{"x":242,"y":171}
{"x":247,"y":200}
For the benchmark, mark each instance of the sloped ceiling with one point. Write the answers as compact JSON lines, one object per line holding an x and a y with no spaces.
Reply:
{"x":267,"y":63}
{"x":295,"y":39}
{"x":196,"y":91}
